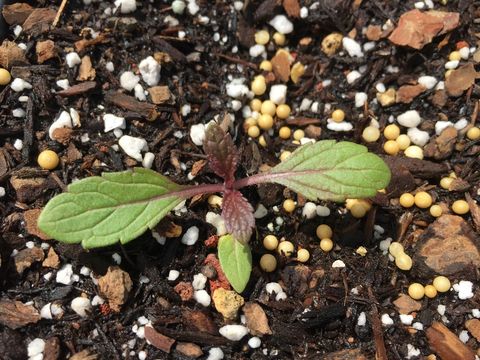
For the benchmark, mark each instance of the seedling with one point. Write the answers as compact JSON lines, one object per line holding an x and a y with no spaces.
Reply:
{"x":102,"y":210}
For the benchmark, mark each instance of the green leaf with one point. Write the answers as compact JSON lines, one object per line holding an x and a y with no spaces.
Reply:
{"x":235,"y":260}
{"x":330,"y":170}
{"x":99,"y":211}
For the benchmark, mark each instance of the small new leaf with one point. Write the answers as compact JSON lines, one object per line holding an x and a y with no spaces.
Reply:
{"x":330,"y":170}
{"x":221,"y":152}
{"x":236,"y":261}
{"x":100,"y":211}
{"x":238,"y":215}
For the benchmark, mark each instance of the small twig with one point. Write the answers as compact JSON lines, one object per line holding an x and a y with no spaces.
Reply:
{"x":59,"y":13}
{"x":237,"y":60}
{"x":381,"y":352}
{"x":473,"y":119}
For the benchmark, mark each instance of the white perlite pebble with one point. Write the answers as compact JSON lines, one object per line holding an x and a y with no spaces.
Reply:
{"x":254,"y":342}
{"x":217,"y":221}
{"x":260,"y":212}
{"x":2,"y":191}
{"x":128,"y":80}
{"x":75,"y":116}
{"x":273,"y":288}
{"x":18,"y":144}
{"x":360,"y":99}
{"x":202,"y":297}
{"x":409,"y":119}
{"x":352,"y":76}
{"x":380,"y":87}
{"x":148,"y":159}
{"x":139,"y":93}
{"x":142,"y":355}
{"x":63,"y":84}
{"x":338,"y":264}
{"x":192,"y":7}
{"x":441,"y":309}
{"x":236,"y":105}
{"x":464,"y":336}
{"x":215,"y":354}
{"x":178,"y":7}
{"x":81,"y":305}
{"x":352,"y":47}
{"x":309,"y":210}
{"x":278,"y":94}
{"x":150,"y":71}
{"x":442,"y":125}
{"x":453,"y":64}
{"x":281,"y":24}
{"x":362,"y":319}
{"x":35,"y":347}
{"x":412,"y":351}
{"x":186,"y":109}
{"x":97,"y":300}
{"x":65,"y":274}
{"x":18,"y":85}
{"x":418,"y":137}
{"x":199,"y":281}
{"x":72,"y":59}
{"x":18,"y":113}
{"x":418,"y":326}
{"x":406,"y":319}
{"x":197,"y":134}
{"x":386,"y":320}
{"x":126,"y":6}
{"x":117,"y":258}
{"x":233,"y":332}
{"x":464,"y":289}
{"x":323,"y":211}
{"x":476,"y":313}
{"x":236,"y":88}
{"x":113,"y":122}
{"x":464,"y":52}
{"x":133,"y":146}
{"x":342,"y":126}
{"x":256,"y":50}
{"x":191,"y":236}
{"x":173,"y":275}
{"x":63,"y":120}
{"x":461,"y":124}
{"x":428,"y":81}
{"x":109,"y":66}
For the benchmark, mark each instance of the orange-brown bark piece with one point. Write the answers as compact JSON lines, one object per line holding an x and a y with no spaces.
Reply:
{"x":446,"y":344}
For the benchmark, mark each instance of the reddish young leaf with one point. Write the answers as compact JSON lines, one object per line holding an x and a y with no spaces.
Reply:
{"x":221,"y":152}
{"x":238,"y":215}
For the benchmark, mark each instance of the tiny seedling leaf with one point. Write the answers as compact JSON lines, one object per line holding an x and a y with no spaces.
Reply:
{"x":238,"y":215}
{"x":330,"y":170}
{"x":235,"y":260}
{"x":100,"y":211}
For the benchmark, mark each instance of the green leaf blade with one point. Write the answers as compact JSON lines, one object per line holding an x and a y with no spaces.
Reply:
{"x":100,"y":211}
{"x":236,"y":261}
{"x":330,"y":170}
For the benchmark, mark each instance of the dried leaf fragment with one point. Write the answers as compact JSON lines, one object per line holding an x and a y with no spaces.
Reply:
{"x":115,"y":285}
{"x":281,"y":65}
{"x":86,"y":71}
{"x":39,"y":21}
{"x":17,"y":13}
{"x":15,"y":314}
{"x":256,"y":319}
{"x":45,"y":50}
{"x":460,"y":80}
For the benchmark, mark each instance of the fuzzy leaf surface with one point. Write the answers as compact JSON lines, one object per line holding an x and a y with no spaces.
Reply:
{"x":238,"y":215}
{"x":221,"y":152}
{"x":236,"y":261}
{"x":330,"y":170}
{"x":100,"y":211}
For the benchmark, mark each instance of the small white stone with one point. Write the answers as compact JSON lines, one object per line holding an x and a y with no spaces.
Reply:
{"x":314,"y":107}
{"x":81,"y":305}
{"x":111,"y":122}
{"x":360,"y":99}
{"x":109,"y":66}
{"x":35,"y":347}
{"x":442,"y":125}
{"x":362,"y":319}
{"x":260,"y":212}
{"x":236,"y":88}
{"x":23,"y":98}
{"x":419,"y":5}
{"x":18,"y":85}
{"x":128,"y":80}
{"x":72,"y":59}
{"x":409,"y":119}
{"x":385,"y":244}
{"x":64,"y":275}
{"x":197,"y":134}
{"x":305,"y":104}
{"x":2,"y":191}
{"x":118,"y":134}
{"x":75,"y":116}
{"x":191,"y":236}
{"x":406,"y":319}
{"x":139,"y":93}
{"x":338,"y":264}
{"x":178,"y":7}
{"x":256,"y":50}
{"x":217,"y":221}
{"x":461,"y":124}
{"x":199,"y":281}
{"x":440,"y":85}
{"x":117,"y":258}
{"x":202,"y":297}
{"x":418,"y":137}
{"x":17,"y":30}
{"x":441,"y":309}
{"x":192,"y":7}
{"x":352,"y":76}
{"x":281,"y":24}
{"x":304,"y":12}
{"x":464,"y":289}
{"x":476,"y":313}
{"x":133,"y":146}
{"x":418,"y":326}
{"x":453,"y":64}
{"x":412,"y":351}
{"x":429,"y":4}
{"x":369,"y":46}
{"x":148,"y":159}
{"x":323,"y":211}
{"x":171,"y":22}
{"x":254,"y":342}
{"x":173,"y":275}
{"x":464,"y":336}
{"x":63,"y":84}
{"x":18,"y":144}
{"x":380,"y":87}
{"x":45,"y":312}
{"x":464,"y":52}
{"x":341,"y":126}
{"x":97,"y":300}
{"x":273,"y":287}
{"x":428,"y":81}
{"x":236,"y":105}
{"x":386,"y":320}
{"x":64,"y":120}
{"x":216,"y":353}
{"x":85,"y":271}
{"x":150,"y":71}
{"x":126,"y":6}
{"x":186,"y":109}
{"x":233,"y":332}
{"x":309,"y":210}
{"x":352,"y":47}
{"x":18,"y":113}
{"x":142,"y":355}
{"x":278,"y":94}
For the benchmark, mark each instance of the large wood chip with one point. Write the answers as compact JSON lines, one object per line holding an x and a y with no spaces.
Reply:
{"x":158,"y":340}
{"x":86,"y":71}
{"x":190,"y":350}
{"x":78,"y":89}
{"x":292,"y":8}
{"x":17,"y":13}
{"x":39,"y":21}
{"x":115,"y":286}
{"x":416,"y":28}
{"x":406,"y":93}
{"x":45,"y":50}
{"x":11,"y":54}
{"x":406,"y":305}
{"x":446,"y":344}
{"x":442,"y":146}
{"x":31,"y":217}
{"x":473,"y":326}
{"x":159,"y":94}
{"x":15,"y":314}
{"x":461,"y":79}
{"x":52,"y":260}
{"x":81,"y":45}
{"x":199,"y":321}
{"x":52,"y":349}
{"x":256,"y":319}
{"x":127,"y":102}
{"x":26,"y":257}
{"x":281,"y":65}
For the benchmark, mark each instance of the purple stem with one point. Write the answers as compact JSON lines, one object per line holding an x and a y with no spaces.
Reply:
{"x":255,"y":179}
